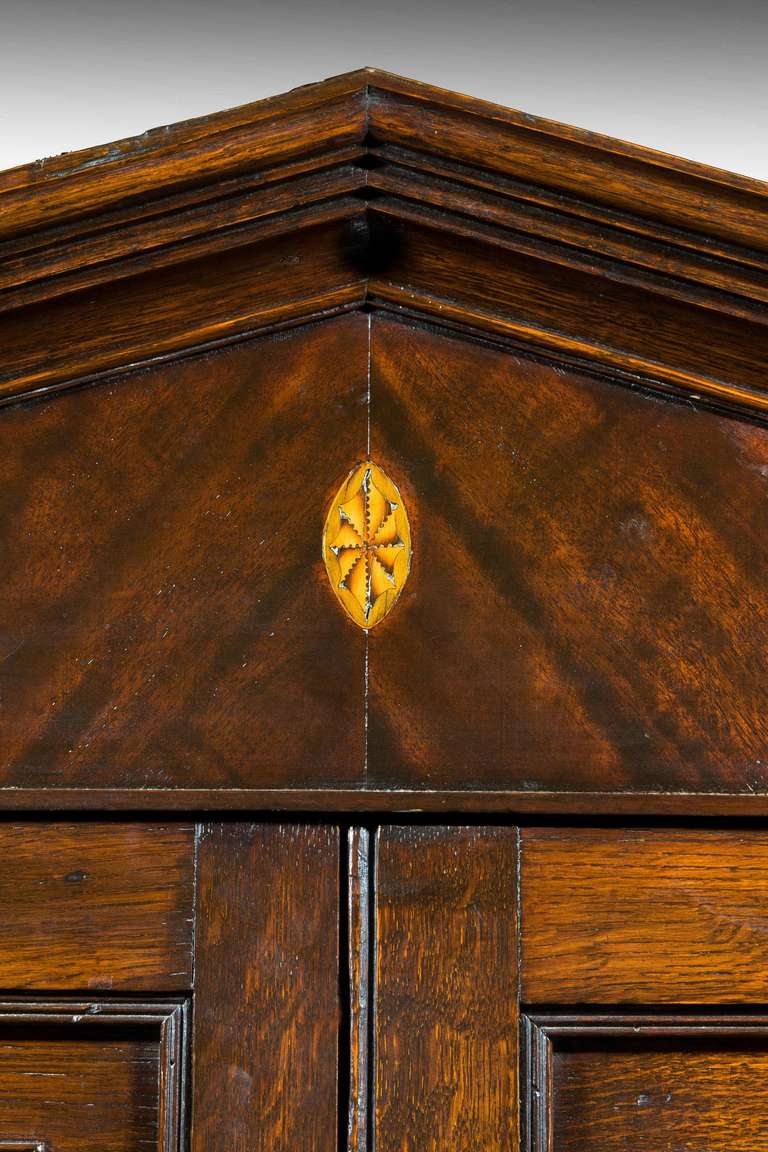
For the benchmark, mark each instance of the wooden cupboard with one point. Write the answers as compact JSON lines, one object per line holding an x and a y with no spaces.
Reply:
{"x":383,"y":728}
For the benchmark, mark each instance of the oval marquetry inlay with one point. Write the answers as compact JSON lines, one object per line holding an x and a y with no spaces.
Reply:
{"x":367,"y":545}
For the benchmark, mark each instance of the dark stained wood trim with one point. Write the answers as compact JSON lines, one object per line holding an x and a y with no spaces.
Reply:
{"x":575,"y":304}
{"x":209,"y":299}
{"x":373,"y":190}
{"x":309,"y":121}
{"x":371,"y":106}
{"x":584,"y":164}
{"x":334,"y":800}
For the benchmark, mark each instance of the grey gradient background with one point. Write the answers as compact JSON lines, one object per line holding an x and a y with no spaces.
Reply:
{"x":685,"y":77}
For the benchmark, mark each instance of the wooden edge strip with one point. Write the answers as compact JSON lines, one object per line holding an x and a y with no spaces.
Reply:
{"x":405,"y":803}
{"x":358,"y":985}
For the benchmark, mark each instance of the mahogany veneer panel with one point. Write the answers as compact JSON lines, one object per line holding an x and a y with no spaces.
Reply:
{"x":650,"y":916}
{"x":96,"y":906}
{"x":165,"y":617}
{"x":446,"y":990}
{"x":588,"y":603}
{"x":267,"y":1009}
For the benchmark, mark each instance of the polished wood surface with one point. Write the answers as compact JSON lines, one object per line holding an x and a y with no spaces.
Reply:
{"x":445,"y":1029}
{"x":161,"y":314}
{"x":76,"y":1076}
{"x":573,"y":619}
{"x":588,"y":550}
{"x":161,"y":584}
{"x":553,"y":345}
{"x":266,"y":1029}
{"x":654,"y":1083}
{"x":88,"y":906}
{"x":373,"y":190}
{"x":167,"y":614}
{"x":644,"y":916}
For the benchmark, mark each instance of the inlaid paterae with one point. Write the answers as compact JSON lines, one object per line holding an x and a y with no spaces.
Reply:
{"x":367,"y":544}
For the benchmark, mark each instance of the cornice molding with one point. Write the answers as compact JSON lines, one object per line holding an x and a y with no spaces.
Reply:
{"x":372,"y":190}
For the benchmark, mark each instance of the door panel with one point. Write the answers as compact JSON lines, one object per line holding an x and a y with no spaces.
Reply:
{"x":366,"y":990}
{"x":650,"y":1083}
{"x":644,"y":917}
{"x":94,"y":1075}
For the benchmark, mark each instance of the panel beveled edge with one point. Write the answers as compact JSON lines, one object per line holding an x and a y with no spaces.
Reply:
{"x":169,"y":1016}
{"x":540,"y":1032}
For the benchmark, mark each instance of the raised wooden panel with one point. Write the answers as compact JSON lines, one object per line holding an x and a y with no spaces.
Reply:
{"x":96,"y":906}
{"x":445,"y":996}
{"x":588,"y":603}
{"x":106,"y":1076}
{"x":267,"y":1001}
{"x":646,"y":916}
{"x":166,"y":620}
{"x":648,"y":1083}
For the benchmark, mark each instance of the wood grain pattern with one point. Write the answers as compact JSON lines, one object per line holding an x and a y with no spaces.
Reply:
{"x":573,"y":303}
{"x":82,"y":1076}
{"x":96,"y":906}
{"x":530,"y":148}
{"x":588,"y":597}
{"x":141,"y":168}
{"x":194,"y":302}
{"x":588,"y":560}
{"x":371,"y":188}
{"x":446,"y":990}
{"x":655,"y":1083}
{"x":644,"y":916}
{"x":505,"y":802}
{"x":267,"y":989}
{"x":167,"y":612}
{"x":400,"y":112}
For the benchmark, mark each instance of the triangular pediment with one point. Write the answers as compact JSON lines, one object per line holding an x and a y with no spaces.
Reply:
{"x":392,"y":508}
{"x":368,"y":190}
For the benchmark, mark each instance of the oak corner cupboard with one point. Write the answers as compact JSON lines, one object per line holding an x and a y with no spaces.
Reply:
{"x":383,"y":663}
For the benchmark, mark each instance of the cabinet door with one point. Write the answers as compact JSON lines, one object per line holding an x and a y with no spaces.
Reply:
{"x":96,"y":964}
{"x":132,"y":955}
{"x":645,"y":964}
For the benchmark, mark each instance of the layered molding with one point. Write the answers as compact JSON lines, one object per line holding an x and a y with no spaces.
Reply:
{"x":167,"y":1021}
{"x":368,"y":190}
{"x":720,"y":1033}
